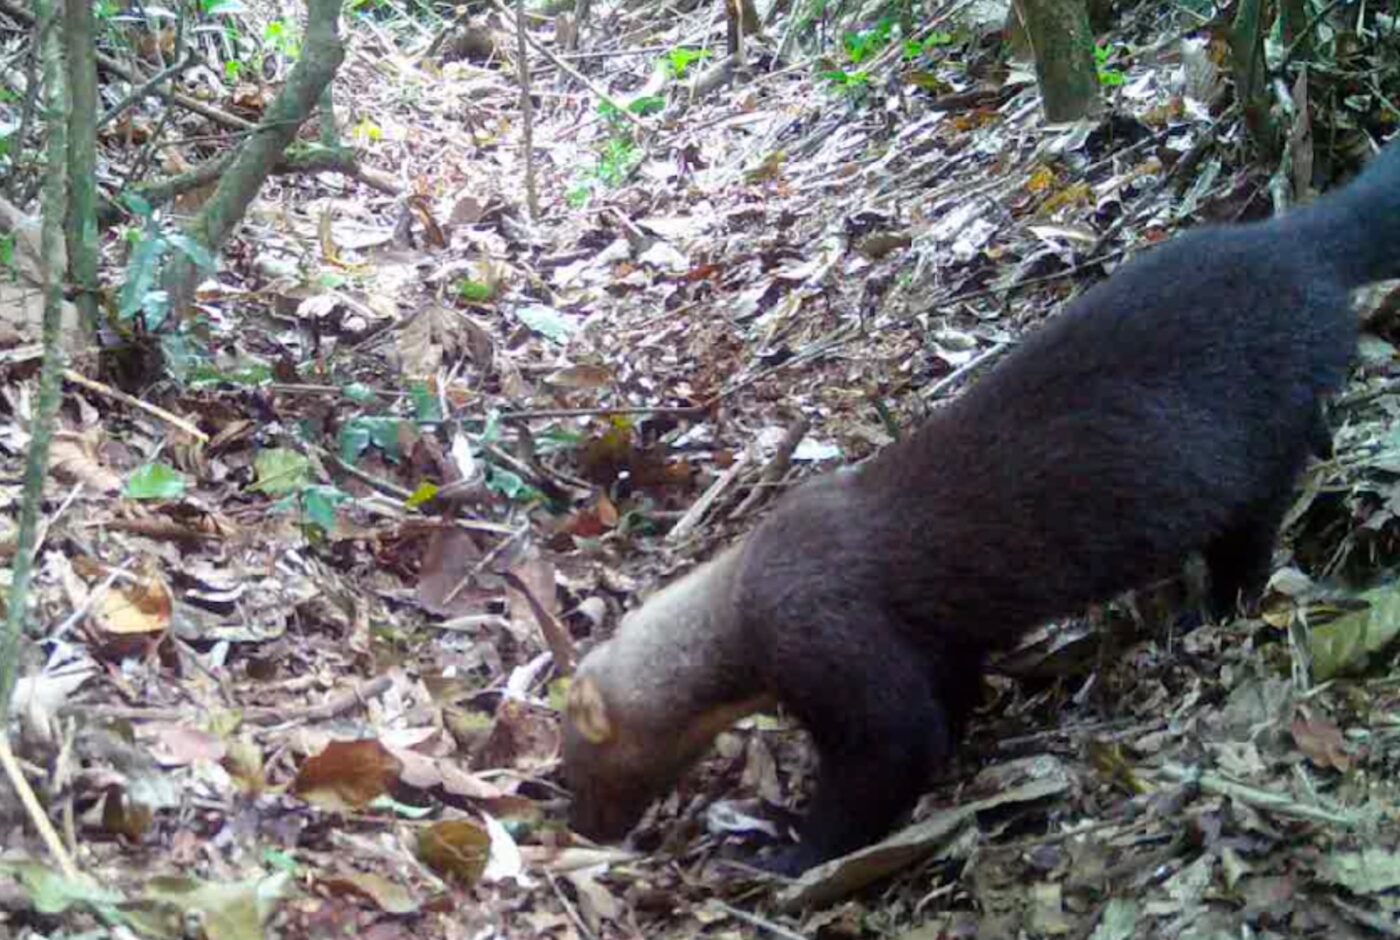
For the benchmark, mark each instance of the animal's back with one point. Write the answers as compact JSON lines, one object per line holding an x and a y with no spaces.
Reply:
{"x":1163,"y":410}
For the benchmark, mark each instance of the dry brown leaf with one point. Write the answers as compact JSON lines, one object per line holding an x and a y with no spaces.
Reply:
{"x":74,"y":459}
{"x":456,"y":849}
{"x":347,"y":775}
{"x":1322,"y":743}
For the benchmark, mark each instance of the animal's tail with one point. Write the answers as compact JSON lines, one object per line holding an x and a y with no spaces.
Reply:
{"x":1357,"y":228}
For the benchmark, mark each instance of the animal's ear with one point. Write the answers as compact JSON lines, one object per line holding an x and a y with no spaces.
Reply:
{"x":588,"y":712}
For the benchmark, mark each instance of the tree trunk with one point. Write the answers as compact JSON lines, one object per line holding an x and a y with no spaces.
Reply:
{"x":321,"y":56}
{"x":1059,"y":35}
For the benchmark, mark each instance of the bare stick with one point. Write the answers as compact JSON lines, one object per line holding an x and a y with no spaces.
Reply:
{"x":952,"y":379}
{"x":145,"y":88}
{"x":696,"y":512}
{"x":777,"y":468}
{"x":36,"y":812}
{"x":527,"y":111}
{"x":776,"y":929}
{"x":77,"y":378}
{"x":678,"y":410}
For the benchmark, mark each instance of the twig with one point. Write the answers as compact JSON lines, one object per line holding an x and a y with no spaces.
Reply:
{"x":776,"y":929}
{"x":36,"y":812}
{"x":572,"y":72}
{"x":384,"y":486}
{"x":978,"y":294}
{"x":527,"y":111}
{"x":335,"y":705}
{"x":985,"y":357}
{"x":145,"y":88}
{"x":573,"y":915}
{"x":529,"y":415}
{"x":51,"y":276}
{"x":77,"y":378}
{"x":820,"y":348}
{"x":1301,"y":39}
{"x":1266,"y":800}
{"x":697,"y":511}
{"x":777,"y":468}
{"x":556,"y":638}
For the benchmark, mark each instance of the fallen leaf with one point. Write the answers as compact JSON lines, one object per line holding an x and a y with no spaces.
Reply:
{"x":347,"y":775}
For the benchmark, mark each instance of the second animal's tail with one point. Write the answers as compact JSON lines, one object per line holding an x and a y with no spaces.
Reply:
{"x":1356,"y":229}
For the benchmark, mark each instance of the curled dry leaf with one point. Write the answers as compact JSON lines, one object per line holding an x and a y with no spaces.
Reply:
{"x":74,"y":459}
{"x":1322,"y":743}
{"x":347,"y":775}
{"x":456,"y":849}
{"x":128,"y":618}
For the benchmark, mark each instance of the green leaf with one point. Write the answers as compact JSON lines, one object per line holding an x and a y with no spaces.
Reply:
{"x":510,"y":485}
{"x":192,"y":250}
{"x":234,"y":911}
{"x":427,"y":406}
{"x":422,"y":494}
{"x":546,"y":321}
{"x":1370,"y":871}
{"x":1347,"y":644}
{"x":353,"y":441}
{"x":51,"y":892}
{"x":647,"y":104}
{"x":141,"y":273}
{"x":137,"y":206}
{"x":474,"y":292}
{"x":155,"y":481}
{"x":360,"y":394}
{"x":281,"y":471}
{"x":319,"y":503}
{"x":282,"y":861}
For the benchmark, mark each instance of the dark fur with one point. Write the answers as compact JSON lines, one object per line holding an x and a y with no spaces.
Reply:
{"x":1166,"y":411}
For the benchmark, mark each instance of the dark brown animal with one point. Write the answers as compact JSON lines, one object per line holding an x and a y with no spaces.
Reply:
{"x":1166,"y":411}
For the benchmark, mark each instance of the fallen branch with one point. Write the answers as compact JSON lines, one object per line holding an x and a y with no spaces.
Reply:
{"x":174,"y":420}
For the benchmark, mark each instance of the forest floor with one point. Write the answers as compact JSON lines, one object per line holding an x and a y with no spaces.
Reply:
{"x":292,"y":680}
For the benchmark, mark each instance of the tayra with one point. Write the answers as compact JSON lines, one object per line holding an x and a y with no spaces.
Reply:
{"x":1166,"y":411}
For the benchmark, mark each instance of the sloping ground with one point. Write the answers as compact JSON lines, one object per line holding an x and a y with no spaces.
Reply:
{"x":793,"y":252}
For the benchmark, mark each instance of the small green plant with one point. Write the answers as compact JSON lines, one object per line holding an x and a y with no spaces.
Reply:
{"x":232,"y":68}
{"x":141,"y":297}
{"x":914,"y":48}
{"x":1109,"y":76}
{"x":474,"y":292}
{"x":106,"y":9}
{"x":862,"y":45}
{"x":678,"y":60}
{"x":7,"y":255}
{"x":143,"y":306}
{"x":852,"y":83}
{"x":577,"y":197}
{"x":281,"y":37}
{"x":616,"y":160}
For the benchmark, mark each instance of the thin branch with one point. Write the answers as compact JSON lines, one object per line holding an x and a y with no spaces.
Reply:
{"x":527,"y":111}
{"x":572,"y":72}
{"x":138,"y":93}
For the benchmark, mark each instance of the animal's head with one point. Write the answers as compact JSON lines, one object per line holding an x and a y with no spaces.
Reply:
{"x":614,"y":762}
{"x":648,"y":702}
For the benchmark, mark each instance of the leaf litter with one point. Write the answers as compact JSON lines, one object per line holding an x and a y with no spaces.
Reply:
{"x":300,"y":679}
